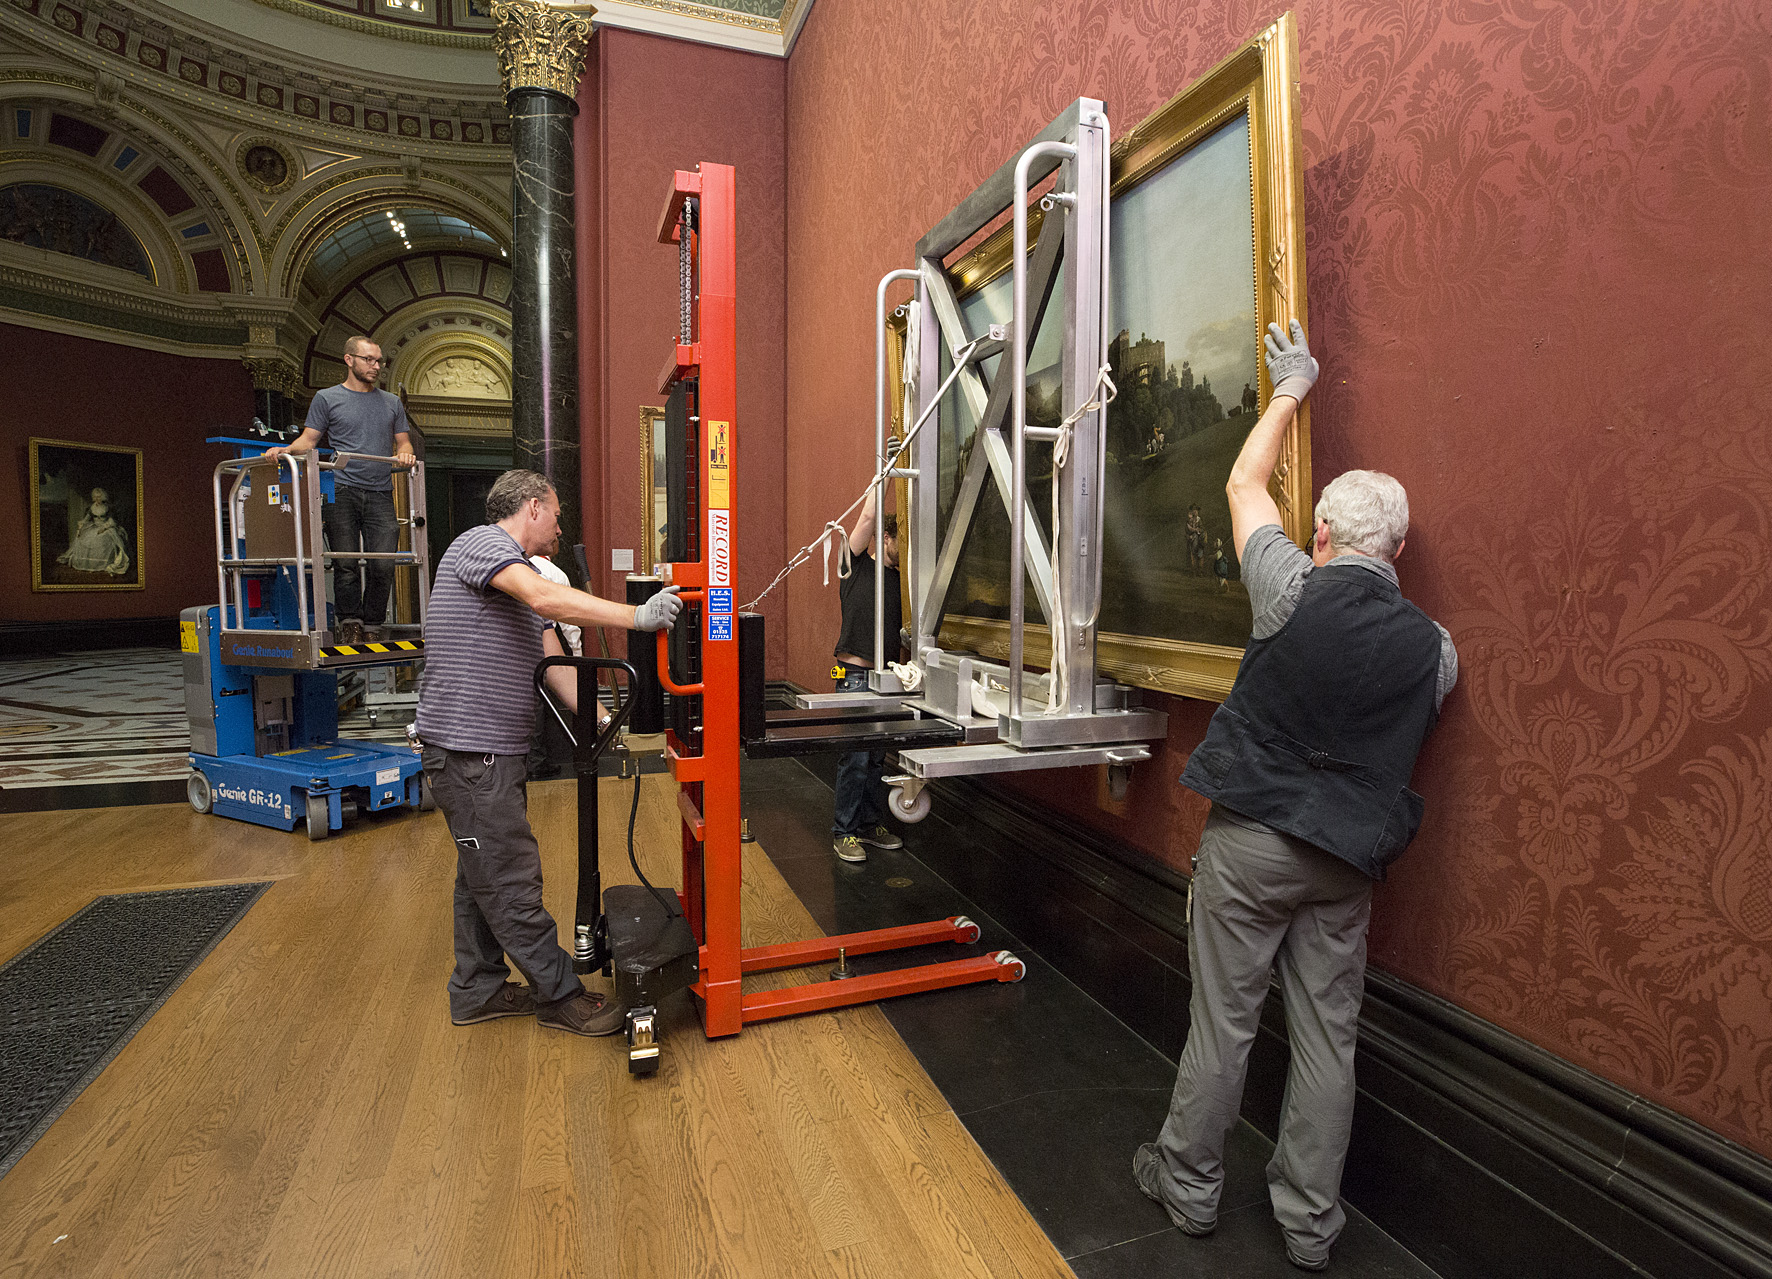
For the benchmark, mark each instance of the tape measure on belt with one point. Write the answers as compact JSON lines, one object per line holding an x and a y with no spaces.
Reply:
{"x":839,"y":671}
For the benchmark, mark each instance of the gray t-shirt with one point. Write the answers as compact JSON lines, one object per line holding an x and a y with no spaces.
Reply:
{"x":359,"y":422}
{"x":1274,"y":571}
{"x":481,"y":650}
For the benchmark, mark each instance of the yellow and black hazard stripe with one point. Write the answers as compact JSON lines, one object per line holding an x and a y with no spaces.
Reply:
{"x":369,"y":649}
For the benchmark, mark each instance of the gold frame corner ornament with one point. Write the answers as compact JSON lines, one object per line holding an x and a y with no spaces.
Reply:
{"x":540,"y":45}
{"x":1260,"y":79}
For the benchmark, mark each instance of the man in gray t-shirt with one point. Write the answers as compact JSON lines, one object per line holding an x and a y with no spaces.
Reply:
{"x":354,"y":417}
{"x":484,"y":636}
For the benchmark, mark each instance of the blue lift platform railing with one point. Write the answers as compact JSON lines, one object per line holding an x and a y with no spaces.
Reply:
{"x":261,"y":664}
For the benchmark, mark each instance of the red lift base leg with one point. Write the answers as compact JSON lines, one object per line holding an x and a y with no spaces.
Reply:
{"x":817,"y":950}
{"x":765,"y":1005}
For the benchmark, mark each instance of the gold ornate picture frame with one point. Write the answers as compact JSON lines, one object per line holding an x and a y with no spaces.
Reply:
{"x":1258,"y":86}
{"x":86,"y":516}
{"x":652,"y":488}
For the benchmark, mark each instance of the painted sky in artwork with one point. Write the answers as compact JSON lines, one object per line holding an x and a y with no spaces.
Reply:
{"x":1183,"y":254}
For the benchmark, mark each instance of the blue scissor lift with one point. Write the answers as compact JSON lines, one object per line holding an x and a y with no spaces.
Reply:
{"x":261,"y":664}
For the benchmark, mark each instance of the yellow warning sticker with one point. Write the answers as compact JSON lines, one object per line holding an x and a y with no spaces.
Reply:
{"x":720,"y":465}
{"x":187,"y":637}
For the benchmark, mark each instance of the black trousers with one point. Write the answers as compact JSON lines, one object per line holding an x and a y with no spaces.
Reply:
{"x":361,"y":520}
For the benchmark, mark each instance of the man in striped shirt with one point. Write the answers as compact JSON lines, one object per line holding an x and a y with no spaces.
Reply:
{"x":484,"y":635}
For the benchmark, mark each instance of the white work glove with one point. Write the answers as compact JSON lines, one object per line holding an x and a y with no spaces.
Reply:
{"x":1289,"y":363}
{"x":657,"y":613}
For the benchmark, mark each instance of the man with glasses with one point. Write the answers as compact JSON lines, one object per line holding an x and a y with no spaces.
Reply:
{"x":355,"y":417}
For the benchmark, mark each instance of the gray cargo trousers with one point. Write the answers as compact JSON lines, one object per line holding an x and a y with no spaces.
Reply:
{"x":498,"y":907}
{"x":1261,"y":898}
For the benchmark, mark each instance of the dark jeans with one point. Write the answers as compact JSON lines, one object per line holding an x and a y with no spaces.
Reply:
{"x":361,"y":520}
{"x":860,"y":804}
{"x":498,"y":908}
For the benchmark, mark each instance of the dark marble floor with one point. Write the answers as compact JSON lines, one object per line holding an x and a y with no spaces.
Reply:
{"x":1056,"y":1090}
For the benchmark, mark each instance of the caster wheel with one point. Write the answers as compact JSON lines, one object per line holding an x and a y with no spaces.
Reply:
{"x":1013,"y":964}
{"x":966,"y":929}
{"x":643,"y":1048}
{"x":197,"y":791}
{"x":319,"y":817}
{"x":913,"y":811}
{"x":427,"y":802}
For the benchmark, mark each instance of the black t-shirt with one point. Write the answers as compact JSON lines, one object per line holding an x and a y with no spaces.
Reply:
{"x":857,"y":594}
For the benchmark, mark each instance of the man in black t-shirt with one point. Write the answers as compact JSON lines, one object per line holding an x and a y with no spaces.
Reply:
{"x":860,"y":817}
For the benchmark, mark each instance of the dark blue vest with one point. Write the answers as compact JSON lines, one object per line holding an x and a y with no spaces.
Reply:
{"x":1322,"y":727}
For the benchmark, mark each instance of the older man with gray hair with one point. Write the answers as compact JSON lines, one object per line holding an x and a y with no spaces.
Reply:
{"x":1307,"y":765}
{"x":484,"y":637}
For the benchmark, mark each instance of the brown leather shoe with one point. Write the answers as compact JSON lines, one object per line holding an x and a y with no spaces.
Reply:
{"x":350,"y":631}
{"x":513,"y":999}
{"x":586,"y":1013}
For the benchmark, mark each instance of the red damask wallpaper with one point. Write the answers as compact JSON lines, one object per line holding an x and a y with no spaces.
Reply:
{"x":1536,"y":238}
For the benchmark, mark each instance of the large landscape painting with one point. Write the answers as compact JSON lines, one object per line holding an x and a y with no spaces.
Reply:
{"x":1205,"y":194}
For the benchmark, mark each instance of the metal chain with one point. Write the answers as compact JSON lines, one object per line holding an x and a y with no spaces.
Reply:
{"x":686,"y":272}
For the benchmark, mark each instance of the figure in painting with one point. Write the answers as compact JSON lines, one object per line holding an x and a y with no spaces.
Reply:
{"x":1196,"y":540}
{"x":1221,"y":564}
{"x":99,"y":545}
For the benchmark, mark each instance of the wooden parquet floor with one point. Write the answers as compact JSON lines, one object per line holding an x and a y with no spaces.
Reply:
{"x":301,"y":1106}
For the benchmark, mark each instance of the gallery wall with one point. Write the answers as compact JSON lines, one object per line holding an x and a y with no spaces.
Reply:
{"x":1534,"y":294}
{"x":647,"y":107}
{"x":85,"y":391}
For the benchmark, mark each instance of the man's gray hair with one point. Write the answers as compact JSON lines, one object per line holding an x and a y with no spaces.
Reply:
{"x":511,"y":491}
{"x":1367,"y":512}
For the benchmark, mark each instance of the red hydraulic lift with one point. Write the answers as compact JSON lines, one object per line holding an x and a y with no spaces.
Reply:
{"x":699,"y":218}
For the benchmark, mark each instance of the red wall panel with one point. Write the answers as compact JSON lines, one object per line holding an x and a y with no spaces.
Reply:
{"x":1534,"y":304}
{"x":71,"y":388}
{"x":649,"y":106}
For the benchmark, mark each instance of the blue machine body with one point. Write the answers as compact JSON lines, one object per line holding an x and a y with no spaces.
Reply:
{"x":272,"y":789}
{"x":266,"y":774}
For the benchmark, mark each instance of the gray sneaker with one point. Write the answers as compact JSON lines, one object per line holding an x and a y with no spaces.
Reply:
{"x":880,"y":837}
{"x":849,"y":848}
{"x":1147,"y":1168}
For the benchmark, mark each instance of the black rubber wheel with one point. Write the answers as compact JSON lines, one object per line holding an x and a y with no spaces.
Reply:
{"x":427,"y":802}
{"x":197,"y":791}
{"x":319,"y":817}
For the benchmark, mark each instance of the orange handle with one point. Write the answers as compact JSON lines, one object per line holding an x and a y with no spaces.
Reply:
{"x":664,"y":658}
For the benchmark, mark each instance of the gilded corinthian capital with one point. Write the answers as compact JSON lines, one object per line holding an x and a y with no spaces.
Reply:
{"x":541,"y":46}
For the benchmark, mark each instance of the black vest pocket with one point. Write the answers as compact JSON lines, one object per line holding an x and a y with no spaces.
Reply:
{"x":1400,"y":825}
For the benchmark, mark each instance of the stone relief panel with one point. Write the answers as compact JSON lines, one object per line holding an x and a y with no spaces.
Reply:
{"x":465,"y":376}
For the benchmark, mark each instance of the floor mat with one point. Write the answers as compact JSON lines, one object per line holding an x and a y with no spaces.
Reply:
{"x":71,"y":1001}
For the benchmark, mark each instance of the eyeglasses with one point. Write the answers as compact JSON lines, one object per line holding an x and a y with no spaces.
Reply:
{"x":368,"y":359}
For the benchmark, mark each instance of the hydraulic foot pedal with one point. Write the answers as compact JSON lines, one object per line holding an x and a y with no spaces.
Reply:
{"x":642,"y":1041}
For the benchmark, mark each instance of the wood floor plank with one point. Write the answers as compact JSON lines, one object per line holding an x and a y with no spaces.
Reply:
{"x":302,"y":1106}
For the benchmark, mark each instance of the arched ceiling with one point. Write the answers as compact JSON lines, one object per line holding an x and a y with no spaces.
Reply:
{"x":758,"y":26}
{"x":389,"y":233}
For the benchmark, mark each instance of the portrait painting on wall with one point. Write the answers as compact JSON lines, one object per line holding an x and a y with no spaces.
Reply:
{"x":1207,"y":247}
{"x":86,"y":517}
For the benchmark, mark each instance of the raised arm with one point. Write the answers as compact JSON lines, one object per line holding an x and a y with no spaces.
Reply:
{"x":862,"y":535}
{"x":1293,"y":373}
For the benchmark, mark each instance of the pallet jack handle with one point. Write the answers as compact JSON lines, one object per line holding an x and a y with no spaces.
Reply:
{"x":590,"y":929}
